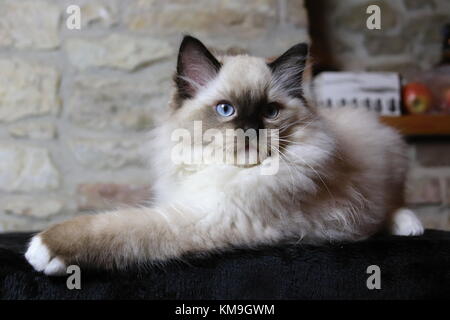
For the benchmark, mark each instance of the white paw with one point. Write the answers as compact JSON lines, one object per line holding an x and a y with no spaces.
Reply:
{"x":405,"y":223}
{"x":38,"y":255}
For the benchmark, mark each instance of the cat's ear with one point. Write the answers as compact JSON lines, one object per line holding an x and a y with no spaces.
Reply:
{"x":196,"y":66}
{"x":288,"y":69}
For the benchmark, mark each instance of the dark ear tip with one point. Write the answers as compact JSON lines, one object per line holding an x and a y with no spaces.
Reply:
{"x":189,"y":39}
{"x":301,"y":48}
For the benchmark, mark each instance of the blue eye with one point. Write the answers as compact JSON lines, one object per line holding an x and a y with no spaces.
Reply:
{"x":225,"y":109}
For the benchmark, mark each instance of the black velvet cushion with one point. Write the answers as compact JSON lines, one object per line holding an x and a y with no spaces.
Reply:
{"x":411,"y":268}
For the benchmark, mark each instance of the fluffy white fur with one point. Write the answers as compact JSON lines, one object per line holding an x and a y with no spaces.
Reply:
{"x":341,"y":178}
{"x":405,"y":223}
{"x":342,"y":181}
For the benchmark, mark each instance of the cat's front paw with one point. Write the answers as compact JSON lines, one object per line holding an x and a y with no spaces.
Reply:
{"x":40,"y":256}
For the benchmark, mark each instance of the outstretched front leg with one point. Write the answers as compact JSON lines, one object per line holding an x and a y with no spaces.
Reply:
{"x":112,"y":240}
{"x":118,"y":239}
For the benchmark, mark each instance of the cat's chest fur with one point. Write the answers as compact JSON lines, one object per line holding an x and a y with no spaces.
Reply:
{"x":215,"y":185}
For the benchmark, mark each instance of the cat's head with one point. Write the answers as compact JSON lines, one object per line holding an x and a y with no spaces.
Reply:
{"x":240,"y":92}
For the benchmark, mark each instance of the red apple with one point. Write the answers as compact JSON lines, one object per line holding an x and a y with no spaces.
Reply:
{"x":417,"y":98}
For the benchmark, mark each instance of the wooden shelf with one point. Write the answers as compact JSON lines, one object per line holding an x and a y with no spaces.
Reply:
{"x":420,"y":125}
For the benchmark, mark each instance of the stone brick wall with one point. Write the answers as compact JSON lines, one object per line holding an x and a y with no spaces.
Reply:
{"x":428,"y":184}
{"x":409,"y":39}
{"x":75,"y":105}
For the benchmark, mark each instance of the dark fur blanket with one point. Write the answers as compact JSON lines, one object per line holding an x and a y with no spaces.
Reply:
{"x":411,"y":268}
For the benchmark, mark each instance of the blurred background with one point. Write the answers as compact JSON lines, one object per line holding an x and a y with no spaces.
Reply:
{"x":75,"y":104}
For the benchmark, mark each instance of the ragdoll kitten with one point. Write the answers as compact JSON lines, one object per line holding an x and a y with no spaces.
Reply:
{"x":340,"y":174}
